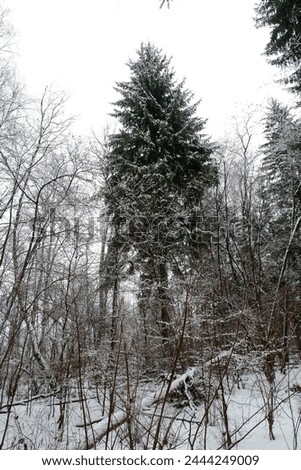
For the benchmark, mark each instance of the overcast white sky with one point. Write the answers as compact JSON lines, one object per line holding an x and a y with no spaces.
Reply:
{"x":81,"y":47}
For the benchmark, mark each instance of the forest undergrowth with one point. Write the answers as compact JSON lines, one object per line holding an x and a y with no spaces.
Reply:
{"x":226,"y":403}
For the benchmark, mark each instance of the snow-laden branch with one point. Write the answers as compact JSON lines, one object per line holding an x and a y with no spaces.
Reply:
{"x":161,"y":394}
{"x":107,"y":425}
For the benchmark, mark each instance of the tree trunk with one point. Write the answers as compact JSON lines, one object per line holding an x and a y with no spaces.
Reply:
{"x":166,"y":327}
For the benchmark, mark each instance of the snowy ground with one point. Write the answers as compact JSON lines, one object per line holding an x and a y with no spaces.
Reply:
{"x":235,"y":417}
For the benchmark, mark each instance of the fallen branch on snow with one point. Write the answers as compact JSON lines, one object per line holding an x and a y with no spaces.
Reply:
{"x":120,"y":417}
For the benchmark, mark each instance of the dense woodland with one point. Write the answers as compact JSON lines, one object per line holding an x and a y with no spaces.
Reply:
{"x":149,"y":258}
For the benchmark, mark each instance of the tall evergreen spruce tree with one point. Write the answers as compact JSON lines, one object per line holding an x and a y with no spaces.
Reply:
{"x":282,"y":165}
{"x":281,"y":195}
{"x":284,"y":46}
{"x":159,"y":166}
